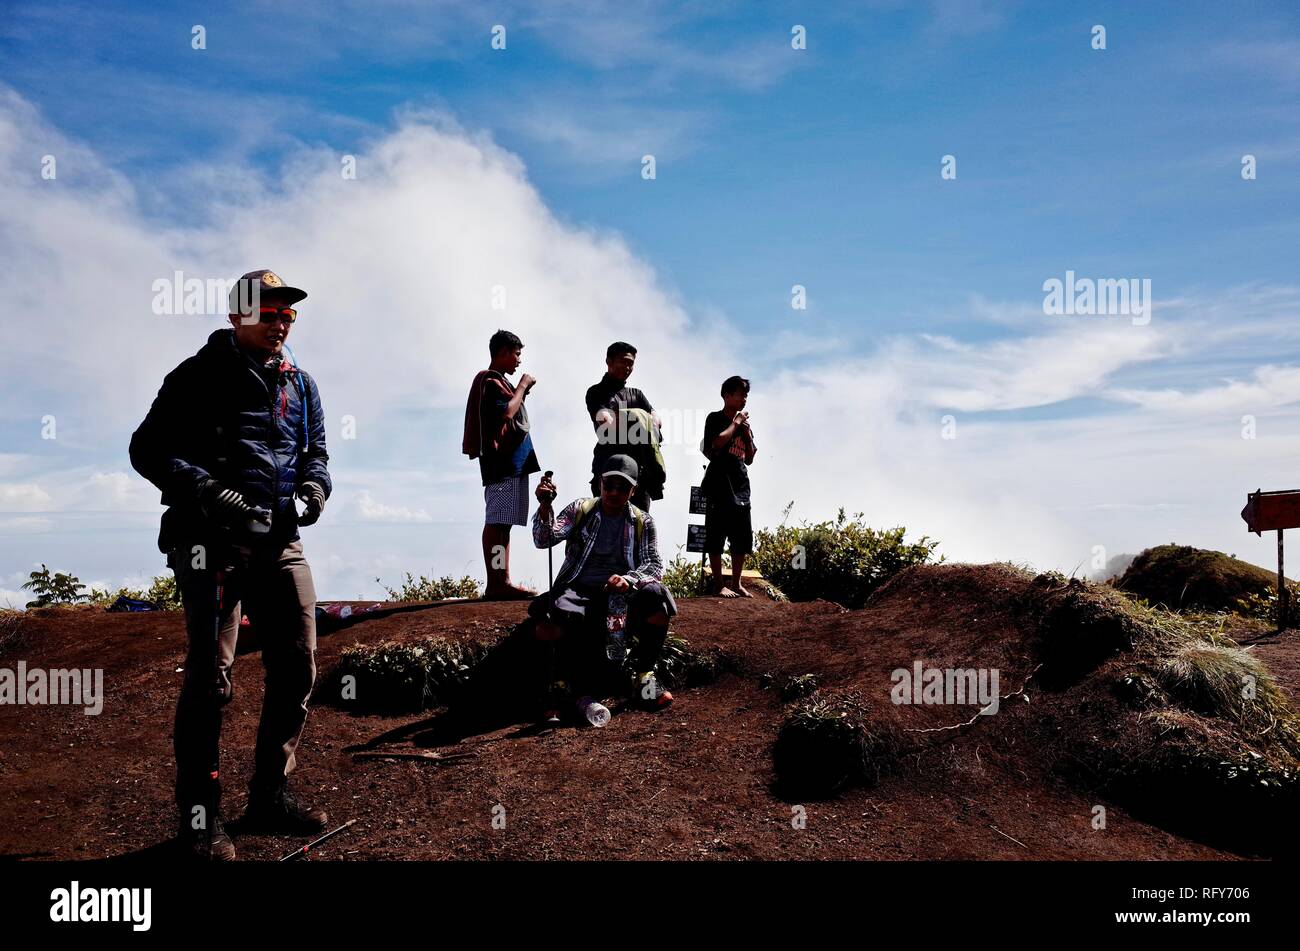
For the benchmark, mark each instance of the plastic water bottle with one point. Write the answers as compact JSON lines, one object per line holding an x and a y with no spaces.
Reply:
{"x":597,"y":714}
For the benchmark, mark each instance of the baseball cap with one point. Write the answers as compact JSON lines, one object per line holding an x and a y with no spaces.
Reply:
{"x":621,"y":465}
{"x":254,"y":285}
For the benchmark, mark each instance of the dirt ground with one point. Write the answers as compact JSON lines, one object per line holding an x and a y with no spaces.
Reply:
{"x":694,"y":782}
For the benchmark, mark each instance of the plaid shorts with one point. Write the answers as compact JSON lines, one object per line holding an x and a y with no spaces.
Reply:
{"x":507,"y":501}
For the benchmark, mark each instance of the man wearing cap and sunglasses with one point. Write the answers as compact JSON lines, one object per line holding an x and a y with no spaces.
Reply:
{"x":609,"y":589}
{"x":234,"y":435}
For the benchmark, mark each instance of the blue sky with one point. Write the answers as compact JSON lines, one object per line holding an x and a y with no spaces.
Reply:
{"x":775,"y":167}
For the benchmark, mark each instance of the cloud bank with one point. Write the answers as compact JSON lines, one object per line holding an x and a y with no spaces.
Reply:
{"x":1033,"y":440}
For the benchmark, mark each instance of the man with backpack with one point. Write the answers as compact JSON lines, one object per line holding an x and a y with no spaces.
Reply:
{"x":497,"y":435}
{"x":234,"y":435}
{"x":626,"y":424}
{"x":609,"y":589}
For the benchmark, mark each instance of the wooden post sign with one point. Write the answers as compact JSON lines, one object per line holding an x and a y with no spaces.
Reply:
{"x":1274,"y":511}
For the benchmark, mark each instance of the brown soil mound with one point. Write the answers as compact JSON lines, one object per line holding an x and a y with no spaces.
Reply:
{"x":1120,"y":702}
{"x":697,"y":781}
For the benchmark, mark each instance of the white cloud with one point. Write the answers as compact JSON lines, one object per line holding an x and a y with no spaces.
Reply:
{"x":23,"y":497}
{"x":373,"y":511}
{"x":1276,"y":58}
{"x":665,"y":44}
{"x":75,"y":489}
{"x":400,"y":265}
{"x":1052,"y":365}
{"x":134,"y":582}
{"x":25,"y":525}
{"x":614,"y":136}
{"x":1270,"y":387}
{"x":15,"y":464}
{"x":116,"y":490}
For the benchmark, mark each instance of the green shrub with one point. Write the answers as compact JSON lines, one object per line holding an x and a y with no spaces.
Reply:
{"x":1264,"y":606}
{"x":103,"y":598}
{"x":684,"y":576}
{"x":843,"y":561}
{"x":432,"y":589}
{"x":162,"y":594}
{"x":402,"y":677}
{"x":51,"y":589}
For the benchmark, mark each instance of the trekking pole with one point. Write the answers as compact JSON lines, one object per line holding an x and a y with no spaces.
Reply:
{"x":218,"y":691}
{"x":550,"y":603}
{"x":219,"y":581}
{"x":550,"y":558}
{"x":315,"y":842}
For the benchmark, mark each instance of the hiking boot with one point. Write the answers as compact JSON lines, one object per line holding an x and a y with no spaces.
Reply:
{"x":278,"y":813}
{"x":199,"y":844}
{"x":220,"y":848}
{"x":649,"y":694}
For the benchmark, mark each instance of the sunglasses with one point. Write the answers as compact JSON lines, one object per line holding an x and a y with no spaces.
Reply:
{"x":271,"y":315}
{"x":615,"y":484}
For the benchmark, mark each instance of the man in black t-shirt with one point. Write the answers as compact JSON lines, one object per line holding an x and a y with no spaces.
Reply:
{"x":729,"y":444}
{"x":617,"y":433}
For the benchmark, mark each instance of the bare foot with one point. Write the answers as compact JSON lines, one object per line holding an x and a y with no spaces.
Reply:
{"x":742,"y":591}
{"x":508,"y":593}
{"x":727,"y":593}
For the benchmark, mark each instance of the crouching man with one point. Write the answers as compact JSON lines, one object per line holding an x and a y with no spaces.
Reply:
{"x":609,"y":591}
{"x":235,"y":433}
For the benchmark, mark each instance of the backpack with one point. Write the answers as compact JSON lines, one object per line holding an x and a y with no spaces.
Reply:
{"x":123,"y":603}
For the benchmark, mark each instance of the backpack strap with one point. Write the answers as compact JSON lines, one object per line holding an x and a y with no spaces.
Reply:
{"x":587,"y":506}
{"x":302,"y":397}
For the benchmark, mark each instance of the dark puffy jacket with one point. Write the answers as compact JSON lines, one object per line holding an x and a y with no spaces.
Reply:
{"x":220,"y":416}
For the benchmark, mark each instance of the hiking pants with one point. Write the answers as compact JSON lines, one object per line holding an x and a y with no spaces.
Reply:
{"x":581,"y":610}
{"x":275,"y":588}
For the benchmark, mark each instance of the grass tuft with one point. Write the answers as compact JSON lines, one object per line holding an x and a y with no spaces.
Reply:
{"x":827,"y":743}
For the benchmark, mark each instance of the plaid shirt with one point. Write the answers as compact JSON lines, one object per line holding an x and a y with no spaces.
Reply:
{"x":581,"y":539}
